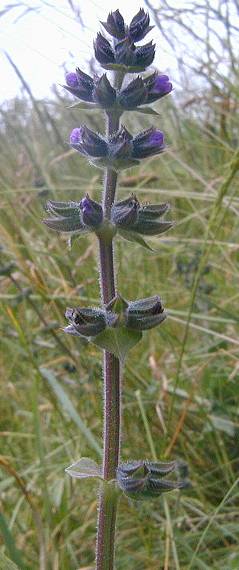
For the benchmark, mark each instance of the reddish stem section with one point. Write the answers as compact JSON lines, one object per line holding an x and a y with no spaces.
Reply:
{"x":107,"y":281}
{"x":112,"y":397}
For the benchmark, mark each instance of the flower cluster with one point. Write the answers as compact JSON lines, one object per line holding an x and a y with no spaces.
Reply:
{"x":140,"y":91}
{"x":144,"y":479}
{"x":122,"y":52}
{"x":139,"y":315}
{"x":121,"y":150}
{"x":127,"y":216}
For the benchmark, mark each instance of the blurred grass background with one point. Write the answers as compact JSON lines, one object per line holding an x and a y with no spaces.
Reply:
{"x":180,"y":395}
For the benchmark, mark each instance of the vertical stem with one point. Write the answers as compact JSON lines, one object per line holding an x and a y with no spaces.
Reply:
{"x":112,"y":397}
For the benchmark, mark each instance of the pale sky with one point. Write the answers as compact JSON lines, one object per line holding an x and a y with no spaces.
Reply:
{"x":42,"y":41}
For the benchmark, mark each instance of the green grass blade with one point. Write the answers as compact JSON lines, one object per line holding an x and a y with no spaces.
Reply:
{"x":69,"y":408}
{"x":14,"y":553}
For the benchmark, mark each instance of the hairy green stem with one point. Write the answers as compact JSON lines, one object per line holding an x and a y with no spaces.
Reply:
{"x":112,"y":398}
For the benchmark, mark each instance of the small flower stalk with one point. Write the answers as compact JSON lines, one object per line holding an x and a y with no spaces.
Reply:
{"x":117,"y":324}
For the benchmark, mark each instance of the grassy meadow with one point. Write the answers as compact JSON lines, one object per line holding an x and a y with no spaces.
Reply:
{"x":181,"y":383}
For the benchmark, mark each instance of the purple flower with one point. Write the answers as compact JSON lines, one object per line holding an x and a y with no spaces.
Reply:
{"x":80,"y":84}
{"x":72,"y":79}
{"x":139,"y":26}
{"x":74,"y":217}
{"x":97,"y":90}
{"x":91,"y":212}
{"x":148,"y":143}
{"x":115,"y":25}
{"x":157,"y":86}
{"x":87,"y":142}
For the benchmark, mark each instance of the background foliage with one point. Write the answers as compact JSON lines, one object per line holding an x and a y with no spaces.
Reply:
{"x":181,"y":383}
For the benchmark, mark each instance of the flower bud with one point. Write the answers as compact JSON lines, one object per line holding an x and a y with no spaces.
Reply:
{"x":139,"y":26}
{"x":91,"y":212}
{"x":103,"y":51}
{"x":80,"y":84}
{"x":120,"y":144}
{"x":104,"y":93}
{"x":130,"y":216}
{"x":115,"y":25}
{"x":121,"y":150}
{"x":133,"y":95}
{"x":124,"y":53}
{"x":148,"y":143}
{"x":157,"y":86}
{"x":85,"y":321}
{"x":144,"y":479}
{"x":144,"y":55}
{"x":125,"y":213}
{"x":145,"y":314}
{"x":87,"y":142}
{"x":72,"y":79}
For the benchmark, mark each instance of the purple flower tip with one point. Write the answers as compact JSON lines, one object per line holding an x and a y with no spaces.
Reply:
{"x":76,"y":135}
{"x":156,"y":138}
{"x":71,"y":79}
{"x":162,"y":84}
{"x":85,"y":204}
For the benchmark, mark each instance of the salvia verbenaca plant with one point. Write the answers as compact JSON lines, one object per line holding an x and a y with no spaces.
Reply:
{"x":117,"y":324}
